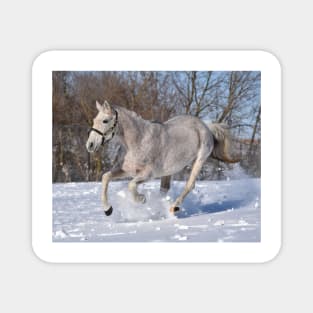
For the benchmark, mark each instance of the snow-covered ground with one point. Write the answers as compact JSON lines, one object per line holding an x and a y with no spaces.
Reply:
{"x":215,"y":211}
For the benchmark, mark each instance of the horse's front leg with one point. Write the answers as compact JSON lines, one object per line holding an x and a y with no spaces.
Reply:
{"x":105,"y":183}
{"x":140,"y":178}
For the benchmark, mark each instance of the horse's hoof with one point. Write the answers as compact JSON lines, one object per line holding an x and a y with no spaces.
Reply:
{"x":163,"y":191}
{"x":174,"y":209}
{"x":109,"y":211}
{"x":140,"y":198}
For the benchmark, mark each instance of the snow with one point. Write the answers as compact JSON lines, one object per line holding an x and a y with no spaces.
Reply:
{"x":215,"y":211}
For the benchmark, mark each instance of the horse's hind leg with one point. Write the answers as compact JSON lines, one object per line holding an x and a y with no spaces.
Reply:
{"x":140,"y":178}
{"x":190,"y":182}
{"x":105,"y":182}
{"x":165,"y":184}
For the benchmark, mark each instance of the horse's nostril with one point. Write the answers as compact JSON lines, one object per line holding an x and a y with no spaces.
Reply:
{"x":90,"y":145}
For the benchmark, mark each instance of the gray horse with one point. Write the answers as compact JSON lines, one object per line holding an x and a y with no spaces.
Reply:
{"x":152,"y":150}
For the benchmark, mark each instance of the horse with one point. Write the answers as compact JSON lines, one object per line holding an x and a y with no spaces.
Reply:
{"x":154,"y":150}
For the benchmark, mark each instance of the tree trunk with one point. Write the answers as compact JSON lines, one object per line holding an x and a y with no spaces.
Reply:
{"x":254,"y":130}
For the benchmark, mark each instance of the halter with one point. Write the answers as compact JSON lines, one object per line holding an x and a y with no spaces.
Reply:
{"x":103,"y":135}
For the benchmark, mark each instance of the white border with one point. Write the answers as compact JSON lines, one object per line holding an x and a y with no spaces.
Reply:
{"x":50,"y":251}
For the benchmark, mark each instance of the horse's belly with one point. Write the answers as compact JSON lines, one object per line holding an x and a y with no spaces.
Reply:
{"x":132,"y":165}
{"x":132,"y":168}
{"x":174,"y":162}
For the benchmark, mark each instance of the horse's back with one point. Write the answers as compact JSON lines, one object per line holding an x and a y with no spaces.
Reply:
{"x":186,"y":120}
{"x":188,"y":125}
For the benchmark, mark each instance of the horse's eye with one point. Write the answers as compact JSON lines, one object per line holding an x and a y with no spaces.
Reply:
{"x":105,"y":121}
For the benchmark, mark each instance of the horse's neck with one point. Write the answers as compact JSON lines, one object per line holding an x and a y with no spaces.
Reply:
{"x":131,"y":127}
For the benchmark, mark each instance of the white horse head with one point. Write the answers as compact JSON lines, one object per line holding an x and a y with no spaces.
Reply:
{"x":103,"y":127}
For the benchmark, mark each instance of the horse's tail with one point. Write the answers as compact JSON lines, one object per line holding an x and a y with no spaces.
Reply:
{"x":221,"y":143}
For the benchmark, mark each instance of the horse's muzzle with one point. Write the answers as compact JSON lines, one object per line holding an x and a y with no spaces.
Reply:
{"x":91,"y":147}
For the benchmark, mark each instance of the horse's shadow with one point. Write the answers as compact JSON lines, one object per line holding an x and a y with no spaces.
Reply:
{"x":194,"y":209}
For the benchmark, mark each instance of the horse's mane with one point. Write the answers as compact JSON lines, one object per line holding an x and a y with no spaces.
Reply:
{"x":130,"y":113}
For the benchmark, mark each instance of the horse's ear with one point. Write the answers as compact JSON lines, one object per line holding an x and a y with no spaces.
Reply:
{"x":106,"y":105}
{"x":99,"y":106}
